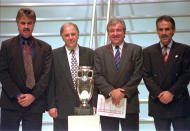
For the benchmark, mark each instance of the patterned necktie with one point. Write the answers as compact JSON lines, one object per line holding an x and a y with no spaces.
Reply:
{"x":165,"y":54}
{"x":74,"y":67}
{"x":28,"y":66}
{"x":117,"y":57}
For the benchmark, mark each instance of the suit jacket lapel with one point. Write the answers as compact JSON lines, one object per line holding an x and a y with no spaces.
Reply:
{"x":112,"y":66}
{"x":19,"y":58}
{"x":66,"y":68}
{"x":172,"y":56}
{"x":110,"y":57}
{"x":80,"y":56}
{"x":37,"y":57}
{"x":160,"y":60}
{"x":158,"y":52}
{"x":124,"y":58}
{"x":82,"y":59}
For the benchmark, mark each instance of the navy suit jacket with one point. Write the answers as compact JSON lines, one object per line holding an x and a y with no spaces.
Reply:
{"x":173,"y":76}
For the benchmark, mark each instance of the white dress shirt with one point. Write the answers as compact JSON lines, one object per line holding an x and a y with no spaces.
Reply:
{"x":168,"y":47}
{"x":120,"y":48}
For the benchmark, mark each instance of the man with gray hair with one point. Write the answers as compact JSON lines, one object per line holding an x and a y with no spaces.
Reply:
{"x":117,"y":75}
{"x":62,"y":94}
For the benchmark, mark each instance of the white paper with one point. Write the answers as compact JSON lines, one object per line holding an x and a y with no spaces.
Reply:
{"x":106,"y":108}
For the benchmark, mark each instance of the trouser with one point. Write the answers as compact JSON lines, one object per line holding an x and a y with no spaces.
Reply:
{"x":130,"y":123}
{"x":178,"y":123}
{"x":10,"y":120}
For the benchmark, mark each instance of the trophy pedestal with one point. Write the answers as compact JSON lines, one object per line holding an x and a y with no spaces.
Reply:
{"x":83,"y":111}
{"x":84,"y":123}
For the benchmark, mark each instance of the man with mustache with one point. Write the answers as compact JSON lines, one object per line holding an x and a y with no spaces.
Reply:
{"x":117,"y":75}
{"x":25,"y":63}
{"x":166,"y":73}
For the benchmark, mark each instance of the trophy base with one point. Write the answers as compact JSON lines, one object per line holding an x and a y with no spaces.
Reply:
{"x":83,"y":111}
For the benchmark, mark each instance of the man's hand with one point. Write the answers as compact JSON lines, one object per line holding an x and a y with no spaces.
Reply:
{"x":94,"y":110}
{"x":117,"y":95}
{"x":165,"y":97}
{"x":53,"y":112}
{"x":25,"y":99}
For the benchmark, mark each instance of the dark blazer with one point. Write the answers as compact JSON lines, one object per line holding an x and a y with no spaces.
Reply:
{"x":173,"y":76}
{"x":127,"y":77}
{"x":62,"y":94}
{"x":12,"y":74}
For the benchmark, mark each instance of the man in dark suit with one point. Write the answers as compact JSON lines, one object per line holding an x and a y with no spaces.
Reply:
{"x":62,"y":95}
{"x":166,"y":73}
{"x":25,"y":63}
{"x":119,"y":80}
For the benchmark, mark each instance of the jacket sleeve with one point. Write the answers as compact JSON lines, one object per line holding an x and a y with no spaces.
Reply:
{"x":9,"y":86}
{"x":51,"y":91}
{"x":43,"y":82}
{"x":151,"y":85}
{"x":184,"y":76}
{"x":136,"y":76}
{"x":100,"y":82}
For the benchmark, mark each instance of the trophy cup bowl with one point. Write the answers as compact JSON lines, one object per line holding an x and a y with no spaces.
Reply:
{"x":84,"y":86}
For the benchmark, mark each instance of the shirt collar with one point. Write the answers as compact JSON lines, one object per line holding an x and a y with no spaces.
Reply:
{"x":120,"y":46}
{"x":169,"y":45}
{"x":69,"y":50}
{"x":22,"y":39}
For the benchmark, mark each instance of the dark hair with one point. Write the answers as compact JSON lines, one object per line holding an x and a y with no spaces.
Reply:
{"x":166,"y":18}
{"x":66,"y":24}
{"x":26,"y":12}
{"x":115,"y":21}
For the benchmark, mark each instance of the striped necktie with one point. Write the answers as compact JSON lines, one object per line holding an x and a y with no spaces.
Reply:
{"x":117,"y":57}
{"x":165,"y":54}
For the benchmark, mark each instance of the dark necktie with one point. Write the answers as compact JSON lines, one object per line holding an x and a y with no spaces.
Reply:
{"x":28,"y":66}
{"x":74,"y":67}
{"x":165,"y":54}
{"x":117,"y":57}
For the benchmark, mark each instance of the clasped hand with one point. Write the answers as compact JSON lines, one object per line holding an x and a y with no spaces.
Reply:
{"x":165,"y":97}
{"x":25,"y":99}
{"x":117,"y":95}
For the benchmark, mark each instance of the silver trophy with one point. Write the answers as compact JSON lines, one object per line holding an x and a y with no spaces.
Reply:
{"x":85,"y":86}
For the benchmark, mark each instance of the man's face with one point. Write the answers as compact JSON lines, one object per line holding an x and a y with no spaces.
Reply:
{"x":25,"y":26}
{"x":116,"y":34}
{"x":70,"y":36}
{"x":165,"y":32}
